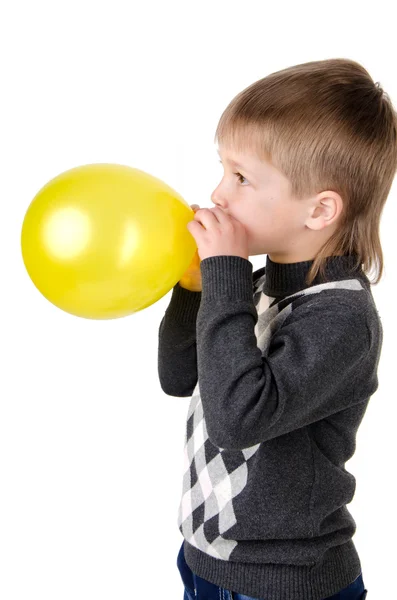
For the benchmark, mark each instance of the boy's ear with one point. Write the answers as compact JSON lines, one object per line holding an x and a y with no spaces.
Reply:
{"x":325,"y":211}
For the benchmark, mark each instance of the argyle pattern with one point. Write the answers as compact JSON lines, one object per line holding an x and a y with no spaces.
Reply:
{"x":213,"y":476}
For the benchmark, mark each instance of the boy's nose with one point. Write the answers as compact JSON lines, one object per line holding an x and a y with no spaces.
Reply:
{"x":217,"y":199}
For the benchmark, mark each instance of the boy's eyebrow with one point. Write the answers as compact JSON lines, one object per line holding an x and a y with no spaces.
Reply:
{"x":233,"y":162}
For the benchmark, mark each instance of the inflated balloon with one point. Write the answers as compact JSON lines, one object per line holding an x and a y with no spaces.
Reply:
{"x":103,"y":241}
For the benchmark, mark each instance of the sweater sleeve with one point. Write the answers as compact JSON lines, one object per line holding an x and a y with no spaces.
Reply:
{"x":177,"y":349}
{"x":307,"y":373}
{"x":177,"y":352}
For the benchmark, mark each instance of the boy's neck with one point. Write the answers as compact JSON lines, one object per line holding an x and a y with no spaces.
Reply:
{"x":284,"y":279}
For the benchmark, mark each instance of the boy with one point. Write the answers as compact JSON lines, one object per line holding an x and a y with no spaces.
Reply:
{"x":280,"y":364}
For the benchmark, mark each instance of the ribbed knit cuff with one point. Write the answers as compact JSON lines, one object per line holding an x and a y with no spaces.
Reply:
{"x":184,"y":305}
{"x":226,"y":275}
{"x":223,"y":275}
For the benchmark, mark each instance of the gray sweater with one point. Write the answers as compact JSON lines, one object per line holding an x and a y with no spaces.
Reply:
{"x":279,"y":376}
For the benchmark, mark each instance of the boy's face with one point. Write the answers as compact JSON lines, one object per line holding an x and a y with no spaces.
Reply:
{"x":258,"y":195}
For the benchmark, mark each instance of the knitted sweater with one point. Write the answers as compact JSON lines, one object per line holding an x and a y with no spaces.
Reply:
{"x":279,"y":375}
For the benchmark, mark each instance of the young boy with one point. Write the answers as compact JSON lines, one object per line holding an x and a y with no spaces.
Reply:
{"x":280,"y":364}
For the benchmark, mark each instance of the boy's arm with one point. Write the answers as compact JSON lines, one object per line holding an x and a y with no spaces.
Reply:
{"x":177,"y":353}
{"x":314,"y":365}
{"x":177,"y":350}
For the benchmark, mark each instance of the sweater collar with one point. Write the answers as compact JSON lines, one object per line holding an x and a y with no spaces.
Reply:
{"x":284,"y":279}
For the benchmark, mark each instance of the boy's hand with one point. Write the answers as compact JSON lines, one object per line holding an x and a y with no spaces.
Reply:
{"x":218,"y":234}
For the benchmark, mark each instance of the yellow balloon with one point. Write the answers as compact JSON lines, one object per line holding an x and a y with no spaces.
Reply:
{"x":103,"y":241}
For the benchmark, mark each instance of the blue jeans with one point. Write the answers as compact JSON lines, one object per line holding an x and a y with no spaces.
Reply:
{"x":197,"y":588}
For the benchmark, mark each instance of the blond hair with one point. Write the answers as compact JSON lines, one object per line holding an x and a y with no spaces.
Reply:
{"x":326,"y":126}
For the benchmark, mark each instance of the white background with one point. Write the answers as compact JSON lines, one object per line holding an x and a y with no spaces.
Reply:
{"x":91,"y":448}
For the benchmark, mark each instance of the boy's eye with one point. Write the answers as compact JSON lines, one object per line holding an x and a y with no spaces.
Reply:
{"x":239,"y":176}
